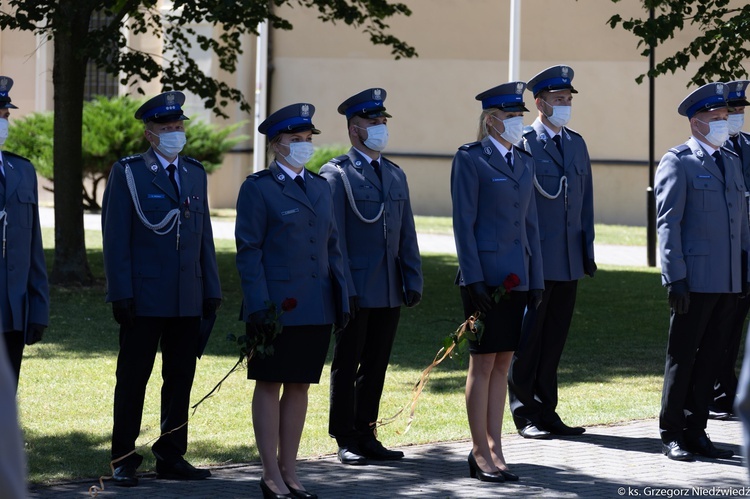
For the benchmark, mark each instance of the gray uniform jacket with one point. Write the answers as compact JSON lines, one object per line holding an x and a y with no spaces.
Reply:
{"x":566,"y":223}
{"x":164,"y":281}
{"x":701,"y":219}
{"x":745,"y":145}
{"x":288,"y":247}
{"x":494,"y":216}
{"x":23,"y":274}
{"x":383,"y":257}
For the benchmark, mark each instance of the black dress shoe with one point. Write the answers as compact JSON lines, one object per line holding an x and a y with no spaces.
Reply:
{"x":560,"y":428}
{"x":373,"y":449}
{"x":705,"y":447}
{"x":674,"y":450}
{"x":531,"y":431}
{"x":125,"y":476}
{"x":301,"y":494}
{"x":476,"y":472}
{"x":270,"y":494}
{"x":720,"y":414}
{"x":351,"y":455}
{"x":180,"y":470}
{"x":508,"y":475}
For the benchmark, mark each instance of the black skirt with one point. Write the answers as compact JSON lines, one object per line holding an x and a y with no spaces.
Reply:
{"x":298,"y":357}
{"x":502,"y":324}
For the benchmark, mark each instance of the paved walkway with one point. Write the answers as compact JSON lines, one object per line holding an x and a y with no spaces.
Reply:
{"x":622,"y":460}
{"x":428,"y":243}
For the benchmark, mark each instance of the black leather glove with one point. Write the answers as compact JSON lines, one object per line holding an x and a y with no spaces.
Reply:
{"x":535,"y":298}
{"x":480,"y":296}
{"x":341,"y":323}
{"x":679,"y":296}
{"x":210,"y":306}
{"x":34,"y":333}
{"x":124,"y":312}
{"x":589,"y":267}
{"x":412,"y":298}
{"x":353,"y":306}
{"x":258,"y":323}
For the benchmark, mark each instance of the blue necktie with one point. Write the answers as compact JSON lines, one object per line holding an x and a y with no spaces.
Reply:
{"x":719,"y":161}
{"x":171,"y":169}
{"x":301,"y":183}
{"x":558,"y":143}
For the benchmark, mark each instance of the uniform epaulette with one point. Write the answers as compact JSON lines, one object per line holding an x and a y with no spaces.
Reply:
{"x":260,"y":174}
{"x":729,"y":150}
{"x":528,"y":129}
{"x":468,"y":146}
{"x":313,"y":174}
{"x":391,"y":162}
{"x":573,"y":132}
{"x":129,"y":159}
{"x":8,"y":153}
{"x":194,"y":161}
{"x":524,"y":151}
{"x":339,"y":159}
{"x":680,"y":148}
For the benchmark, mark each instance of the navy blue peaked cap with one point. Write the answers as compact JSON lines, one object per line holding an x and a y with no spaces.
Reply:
{"x":706,"y":98}
{"x":553,"y":79}
{"x":367,"y":104}
{"x":507,"y":97}
{"x":163,"y":108}
{"x":5,"y":85}
{"x":289,"y":119}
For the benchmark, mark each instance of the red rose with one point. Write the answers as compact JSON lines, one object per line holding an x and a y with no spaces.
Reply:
{"x":511,"y":282}
{"x":289,"y":304}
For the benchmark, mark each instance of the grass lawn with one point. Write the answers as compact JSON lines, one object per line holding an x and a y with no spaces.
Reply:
{"x":611,"y":371}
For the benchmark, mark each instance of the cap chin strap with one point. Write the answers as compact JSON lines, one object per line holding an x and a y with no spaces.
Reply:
{"x":353,"y":204}
{"x":170,"y":219}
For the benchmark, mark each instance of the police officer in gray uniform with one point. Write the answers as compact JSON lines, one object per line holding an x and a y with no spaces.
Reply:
{"x":384,"y":271}
{"x":497,"y":237}
{"x":162,"y":277}
{"x":703,"y":231}
{"x":725,"y":387}
{"x":24,"y":292}
{"x":565,"y":208}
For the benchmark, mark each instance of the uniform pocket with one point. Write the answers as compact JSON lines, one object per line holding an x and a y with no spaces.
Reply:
{"x":708,"y":193}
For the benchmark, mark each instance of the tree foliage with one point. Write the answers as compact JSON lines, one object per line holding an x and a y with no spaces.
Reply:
{"x":110,"y":132}
{"x":721,"y":47}
{"x":77,"y":41}
{"x":175,"y":68}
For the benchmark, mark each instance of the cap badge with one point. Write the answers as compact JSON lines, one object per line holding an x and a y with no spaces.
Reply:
{"x":170,"y":99}
{"x":519,"y":88}
{"x":542,"y":136}
{"x":184,"y":169}
{"x":281,"y":177}
{"x":4,"y":84}
{"x":719,"y":88}
{"x":377,"y":94}
{"x":564,"y":71}
{"x":699,"y":153}
{"x":304,"y":111}
{"x":154,"y":168}
{"x":488,"y":150}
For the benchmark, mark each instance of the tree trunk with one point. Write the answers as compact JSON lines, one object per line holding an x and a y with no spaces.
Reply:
{"x":71,"y":266}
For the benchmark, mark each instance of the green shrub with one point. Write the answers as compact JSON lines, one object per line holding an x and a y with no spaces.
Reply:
{"x":324,"y":153}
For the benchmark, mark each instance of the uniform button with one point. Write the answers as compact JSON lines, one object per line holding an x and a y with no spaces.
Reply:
{"x":310,"y":223}
{"x":312,"y":240}
{"x":730,"y":205}
{"x":314,"y":275}
{"x":516,"y":242}
{"x":517,"y":224}
{"x":313,"y":257}
{"x":515,"y":187}
{"x":731,"y":220}
{"x":515,"y":205}
{"x":568,"y":224}
{"x":11,"y":267}
{"x":182,"y":268}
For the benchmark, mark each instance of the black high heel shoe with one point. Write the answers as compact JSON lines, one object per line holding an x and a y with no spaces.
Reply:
{"x":301,"y":494}
{"x":476,"y":472}
{"x":508,"y":475}
{"x":270,"y":494}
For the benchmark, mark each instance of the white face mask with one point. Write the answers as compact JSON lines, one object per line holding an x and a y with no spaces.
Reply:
{"x":718,"y":132}
{"x":560,"y":115}
{"x":513,"y":128}
{"x":735,"y":122}
{"x":171,"y":143}
{"x":3,"y":130}
{"x":377,"y":137}
{"x":299,"y":153}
